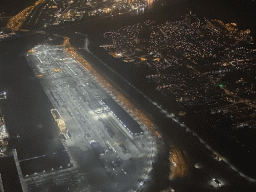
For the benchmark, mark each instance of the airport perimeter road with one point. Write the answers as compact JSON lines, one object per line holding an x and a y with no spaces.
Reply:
{"x":99,"y":140}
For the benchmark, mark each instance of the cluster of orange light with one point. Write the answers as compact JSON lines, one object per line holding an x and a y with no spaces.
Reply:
{"x":179,"y":164}
{"x":57,"y":70}
{"x":16,"y":21}
{"x":150,"y":3}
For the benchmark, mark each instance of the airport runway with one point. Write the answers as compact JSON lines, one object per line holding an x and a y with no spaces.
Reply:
{"x":93,"y":127}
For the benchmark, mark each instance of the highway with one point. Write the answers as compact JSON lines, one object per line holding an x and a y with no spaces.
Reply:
{"x":78,"y":97}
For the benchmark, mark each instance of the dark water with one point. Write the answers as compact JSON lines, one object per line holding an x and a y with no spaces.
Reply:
{"x":229,"y":11}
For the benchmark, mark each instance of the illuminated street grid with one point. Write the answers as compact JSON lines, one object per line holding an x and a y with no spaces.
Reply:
{"x":203,"y":63}
{"x":78,"y":97}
